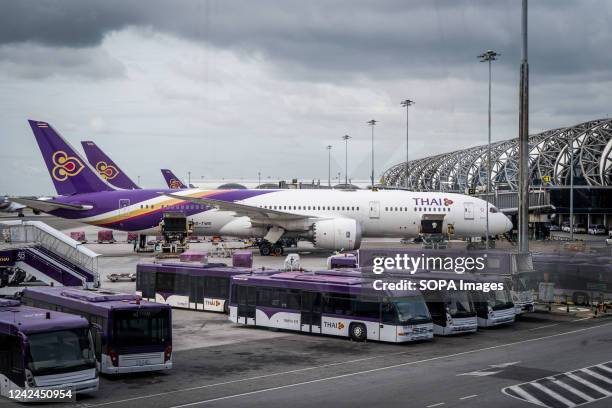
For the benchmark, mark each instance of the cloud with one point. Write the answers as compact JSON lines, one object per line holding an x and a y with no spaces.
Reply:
{"x":33,"y":61}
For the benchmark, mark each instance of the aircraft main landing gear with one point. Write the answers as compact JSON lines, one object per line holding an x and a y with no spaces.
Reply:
{"x":267,"y":249}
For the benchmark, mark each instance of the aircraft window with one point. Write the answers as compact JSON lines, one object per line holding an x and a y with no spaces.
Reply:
{"x":395,"y":208}
{"x":357,"y":208}
{"x":401,"y":209}
{"x":386,"y":209}
{"x":352,"y":208}
{"x":493,"y":210}
{"x":405,"y":208}
{"x":141,"y":206}
{"x":309,"y":207}
{"x":415,"y":208}
{"x":342,"y":208}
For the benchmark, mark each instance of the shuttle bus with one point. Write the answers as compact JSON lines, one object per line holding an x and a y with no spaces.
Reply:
{"x":452,"y":312}
{"x":495,"y":307}
{"x":333,"y":304}
{"x":43,"y":350}
{"x":130,"y":335}
{"x":187,"y":286}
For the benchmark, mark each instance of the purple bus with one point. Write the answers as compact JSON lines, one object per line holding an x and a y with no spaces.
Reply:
{"x":44,"y":350}
{"x":130,"y":335}
{"x":188,"y":285}
{"x":329,"y":303}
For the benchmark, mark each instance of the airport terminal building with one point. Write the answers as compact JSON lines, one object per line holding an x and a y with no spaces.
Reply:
{"x":584,"y":150}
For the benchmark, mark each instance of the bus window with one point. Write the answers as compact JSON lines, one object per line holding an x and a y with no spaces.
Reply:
{"x":140,"y":327}
{"x":165,"y":282}
{"x":52,"y":352}
{"x":369,"y":308}
{"x":11,"y":360}
{"x":388,"y":315}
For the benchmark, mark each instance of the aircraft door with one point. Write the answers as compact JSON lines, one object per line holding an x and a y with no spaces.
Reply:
{"x":468,"y":211}
{"x":123,"y":204}
{"x":374,"y":209}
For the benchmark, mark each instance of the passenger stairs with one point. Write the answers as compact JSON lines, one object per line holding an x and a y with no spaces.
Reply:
{"x":34,"y":253}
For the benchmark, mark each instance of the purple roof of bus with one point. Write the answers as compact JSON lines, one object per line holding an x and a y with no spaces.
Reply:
{"x":199,"y":269}
{"x":26,"y":319}
{"x":336,"y":281}
{"x":98,"y":301}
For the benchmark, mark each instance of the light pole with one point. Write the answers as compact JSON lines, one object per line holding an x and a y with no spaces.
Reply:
{"x":329,"y":147}
{"x":570,"y":145}
{"x":188,"y":179}
{"x":407,"y":103}
{"x":372,"y":123}
{"x":523,"y":187}
{"x":259,"y":179}
{"x":488,"y":56}
{"x":346,"y":139}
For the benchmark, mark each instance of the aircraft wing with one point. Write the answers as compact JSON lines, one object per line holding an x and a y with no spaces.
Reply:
{"x":256,"y":213}
{"x":48,"y":205}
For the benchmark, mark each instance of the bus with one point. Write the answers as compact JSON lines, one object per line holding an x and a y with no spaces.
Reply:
{"x":130,"y":335}
{"x":46,"y":350}
{"x":452,"y":312}
{"x":495,"y":307}
{"x":331,"y":304}
{"x":188,"y":285}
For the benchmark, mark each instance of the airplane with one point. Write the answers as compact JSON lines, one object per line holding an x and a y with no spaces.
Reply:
{"x":174,"y":182}
{"x":106,"y":167}
{"x":330,"y":219}
{"x":10,"y":207}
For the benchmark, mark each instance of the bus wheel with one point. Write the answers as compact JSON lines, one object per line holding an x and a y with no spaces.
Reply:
{"x":277,"y":249}
{"x":265,"y":249}
{"x":358,"y":332}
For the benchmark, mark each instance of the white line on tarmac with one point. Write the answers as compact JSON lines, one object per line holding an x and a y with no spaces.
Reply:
{"x":543,"y":327}
{"x":468,"y":396}
{"x":386,"y":367}
{"x":435,"y":405}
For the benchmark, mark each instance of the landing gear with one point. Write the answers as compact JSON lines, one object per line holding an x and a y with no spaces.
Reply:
{"x":267,"y":249}
{"x":20,"y":215}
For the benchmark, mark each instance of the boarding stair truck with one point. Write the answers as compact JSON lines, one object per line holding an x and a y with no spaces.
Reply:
{"x":39,"y":255}
{"x":175,"y":230}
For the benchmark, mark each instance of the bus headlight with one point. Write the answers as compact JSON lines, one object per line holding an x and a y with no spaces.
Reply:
{"x":490,"y":310}
{"x":167,"y":353}
{"x":449,"y":318}
{"x":30,"y":378}
{"x":114,"y":358}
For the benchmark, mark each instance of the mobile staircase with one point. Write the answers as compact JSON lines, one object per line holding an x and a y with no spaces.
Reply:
{"x":33,"y":253}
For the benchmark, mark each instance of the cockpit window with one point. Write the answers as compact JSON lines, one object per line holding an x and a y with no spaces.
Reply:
{"x":493,"y":210}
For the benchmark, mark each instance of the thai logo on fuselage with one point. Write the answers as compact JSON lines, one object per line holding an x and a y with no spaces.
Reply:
{"x":420,"y":201}
{"x":107,"y":171}
{"x":65,"y":166}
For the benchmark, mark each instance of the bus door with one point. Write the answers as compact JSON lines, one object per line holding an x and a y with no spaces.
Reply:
{"x":196,"y":292}
{"x":246,"y":304}
{"x":310,"y":317}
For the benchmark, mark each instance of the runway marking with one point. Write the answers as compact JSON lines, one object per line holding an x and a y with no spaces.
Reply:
{"x":484,"y":372}
{"x":566,"y":390}
{"x":468,"y":396}
{"x":435,"y":405}
{"x":338,"y":376}
{"x":545,"y":326}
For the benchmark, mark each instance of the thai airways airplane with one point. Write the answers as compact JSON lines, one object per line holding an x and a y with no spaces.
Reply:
{"x":106,"y":167}
{"x":172,"y":181}
{"x":330,"y":219}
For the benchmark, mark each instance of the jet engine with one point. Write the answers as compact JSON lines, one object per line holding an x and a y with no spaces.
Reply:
{"x":339,"y":233}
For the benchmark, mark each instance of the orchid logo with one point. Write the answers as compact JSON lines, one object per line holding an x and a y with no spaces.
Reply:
{"x":107,"y":171}
{"x":175,"y":184}
{"x":447,"y":202}
{"x":65,"y":166}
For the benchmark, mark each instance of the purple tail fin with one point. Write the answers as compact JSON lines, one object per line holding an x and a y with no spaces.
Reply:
{"x":69,"y":172}
{"x":173,"y":182}
{"x":106,"y":167}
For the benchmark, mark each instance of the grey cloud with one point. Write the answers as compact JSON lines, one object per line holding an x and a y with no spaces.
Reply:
{"x":342,"y":39}
{"x":33,"y":61}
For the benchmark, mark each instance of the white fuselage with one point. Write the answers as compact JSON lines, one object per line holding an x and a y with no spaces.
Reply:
{"x":384,"y":213}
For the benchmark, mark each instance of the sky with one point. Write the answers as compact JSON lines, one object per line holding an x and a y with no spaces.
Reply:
{"x":227,"y":89}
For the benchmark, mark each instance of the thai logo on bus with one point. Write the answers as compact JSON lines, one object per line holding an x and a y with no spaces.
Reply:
{"x":334,"y":325}
{"x":107,"y":171}
{"x":65,"y":166}
{"x":211,"y":302}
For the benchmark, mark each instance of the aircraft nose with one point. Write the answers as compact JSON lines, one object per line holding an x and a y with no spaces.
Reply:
{"x":508,"y":226}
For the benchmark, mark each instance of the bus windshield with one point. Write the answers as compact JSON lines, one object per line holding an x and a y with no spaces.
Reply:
{"x":60,"y":351}
{"x":141,"y":327}
{"x":499,"y":299}
{"x":411,"y":310}
{"x":459,"y":304}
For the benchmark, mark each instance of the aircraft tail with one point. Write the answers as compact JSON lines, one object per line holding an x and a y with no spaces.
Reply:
{"x":173,"y":182}
{"x":106,"y":167}
{"x":69,"y":172}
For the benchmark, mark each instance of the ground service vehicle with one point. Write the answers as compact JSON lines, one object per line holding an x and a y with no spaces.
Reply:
{"x":130,"y":335}
{"x":329,"y":303}
{"x":41,"y":349}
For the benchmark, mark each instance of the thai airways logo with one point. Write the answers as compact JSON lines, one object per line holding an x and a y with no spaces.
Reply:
{"x":420,"y":201}
{"x":107,"y":171}
{"x":334,"y":325}
{"x":65,"y":166}
{"x":175,"y":184}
